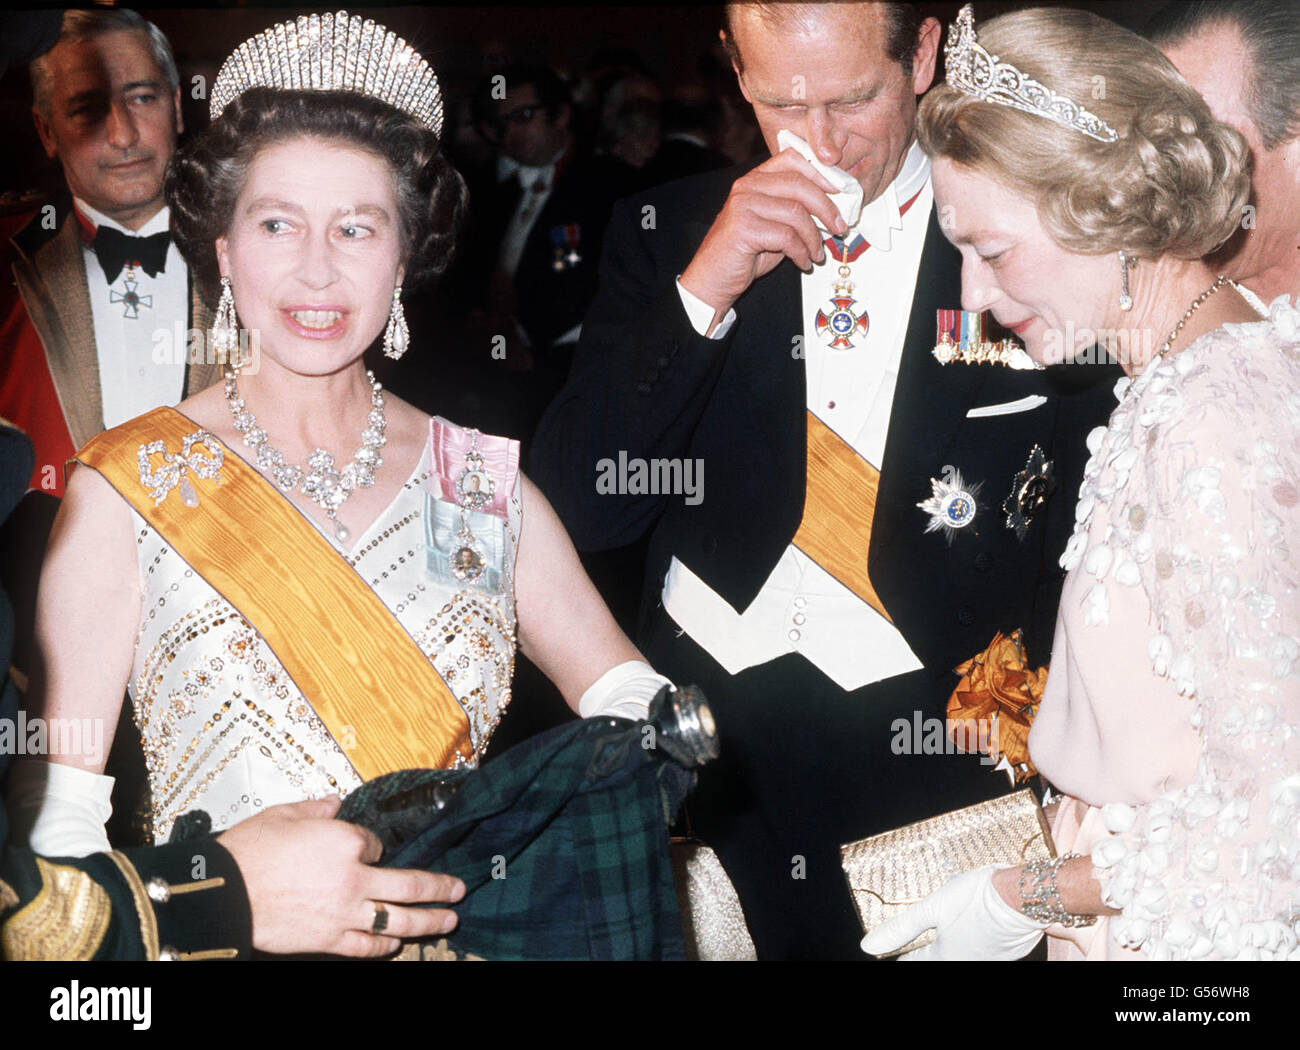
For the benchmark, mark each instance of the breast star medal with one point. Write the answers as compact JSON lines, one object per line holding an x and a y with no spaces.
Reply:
{"x":953,"y":504}
{"x":841,"y":324}
{"x":474,"y":491}
{"x":1029,"y":492}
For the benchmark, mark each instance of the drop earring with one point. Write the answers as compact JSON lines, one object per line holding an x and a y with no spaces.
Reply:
{"x":1125,"y":300}
{"x":225,"y":327}
{"x":397,"y":337}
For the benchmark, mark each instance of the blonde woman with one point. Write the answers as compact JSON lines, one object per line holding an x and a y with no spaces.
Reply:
{"x":1085,"y":183}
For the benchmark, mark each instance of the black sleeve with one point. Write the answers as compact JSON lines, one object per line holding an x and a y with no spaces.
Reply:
{"x":1086,"y":400}
{"x":641,"y":379}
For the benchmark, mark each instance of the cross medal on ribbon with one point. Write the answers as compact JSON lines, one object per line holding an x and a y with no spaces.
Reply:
{"x":117,"y":252}
{"x":839,"y":325}
{"x":131,"y":299}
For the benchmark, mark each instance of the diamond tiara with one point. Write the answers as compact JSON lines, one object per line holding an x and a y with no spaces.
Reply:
{"x":973,"y":71}
{"x":333,"y":52}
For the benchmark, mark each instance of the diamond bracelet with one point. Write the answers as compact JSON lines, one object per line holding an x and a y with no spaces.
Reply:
{"x":1039,"y":900}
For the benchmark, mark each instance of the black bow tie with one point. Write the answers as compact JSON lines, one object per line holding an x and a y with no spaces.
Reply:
{"x":114,"y":249}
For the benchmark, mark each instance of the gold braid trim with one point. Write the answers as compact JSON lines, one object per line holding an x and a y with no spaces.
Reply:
{"x":143,"y":905}
{"x":8,"y":898}
{"x":66,"y":920}
{"x":210,"y":953}
{"x":216,"y":882}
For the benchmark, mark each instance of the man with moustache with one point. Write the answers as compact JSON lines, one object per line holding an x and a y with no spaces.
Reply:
{"x":709,"y":340}
{"x":1243,"y":56}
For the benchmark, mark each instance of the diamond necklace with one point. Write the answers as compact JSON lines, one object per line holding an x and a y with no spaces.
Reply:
{"x":322,"y":483}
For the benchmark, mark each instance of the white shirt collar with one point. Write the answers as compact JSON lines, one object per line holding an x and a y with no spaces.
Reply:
{"x":882,"y":216}
{"x":528,"y":176}
{"x":158,"y":224}
{"x":913,"y":174}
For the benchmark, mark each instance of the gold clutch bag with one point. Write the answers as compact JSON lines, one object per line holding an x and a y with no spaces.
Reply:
{"x":889,"y":871}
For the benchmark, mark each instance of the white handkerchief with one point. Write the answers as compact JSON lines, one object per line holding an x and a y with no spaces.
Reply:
{"x":1007,"y":407}
{"x":849,"y":198}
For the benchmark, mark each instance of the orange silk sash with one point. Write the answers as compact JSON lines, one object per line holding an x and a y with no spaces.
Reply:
{"x":839,"y":504}
{"x":377,"y":693}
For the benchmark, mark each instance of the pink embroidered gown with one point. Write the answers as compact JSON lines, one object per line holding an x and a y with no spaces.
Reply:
{"x":1171,"y":716}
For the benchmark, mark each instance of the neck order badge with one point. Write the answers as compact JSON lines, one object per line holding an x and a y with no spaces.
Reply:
{"x":116,"y":251}
{"x":838,"y":325}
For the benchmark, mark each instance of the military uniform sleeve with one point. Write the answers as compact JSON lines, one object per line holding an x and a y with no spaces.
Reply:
{"x":143,"y":903}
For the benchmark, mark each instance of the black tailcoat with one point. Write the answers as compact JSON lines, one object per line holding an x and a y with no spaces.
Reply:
{"x":806,"y":765}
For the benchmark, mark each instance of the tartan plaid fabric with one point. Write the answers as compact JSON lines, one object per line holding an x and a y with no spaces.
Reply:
{"x":561,"y":842}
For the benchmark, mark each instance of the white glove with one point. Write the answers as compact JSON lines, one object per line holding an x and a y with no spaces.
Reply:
{"x":971,"y":921}
{"x":624,"y":691}
{"x":58,"y":810}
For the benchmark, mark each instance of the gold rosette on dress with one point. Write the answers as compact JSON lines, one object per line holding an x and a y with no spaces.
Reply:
{"x":995,"y":702}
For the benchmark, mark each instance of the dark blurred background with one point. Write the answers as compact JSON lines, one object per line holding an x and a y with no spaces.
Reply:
{"x":671,"y":43}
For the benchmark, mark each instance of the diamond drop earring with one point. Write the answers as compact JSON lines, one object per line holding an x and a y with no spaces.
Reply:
{"x":397,"y":337}
{"x":225,"y":326}
{"x":1125,"y":300}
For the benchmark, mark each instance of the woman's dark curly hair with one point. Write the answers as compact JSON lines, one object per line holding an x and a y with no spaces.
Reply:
{"x":205,"y":176}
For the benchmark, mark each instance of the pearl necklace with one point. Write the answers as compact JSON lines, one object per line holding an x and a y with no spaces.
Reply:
{"x":324,"y":485}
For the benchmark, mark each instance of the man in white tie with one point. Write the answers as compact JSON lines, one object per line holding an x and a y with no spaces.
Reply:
{"x":1244,"y":58}
{"x":816,"y":586}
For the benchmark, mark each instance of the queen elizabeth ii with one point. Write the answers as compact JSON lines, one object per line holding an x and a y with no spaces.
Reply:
{"x":284,"y":571}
